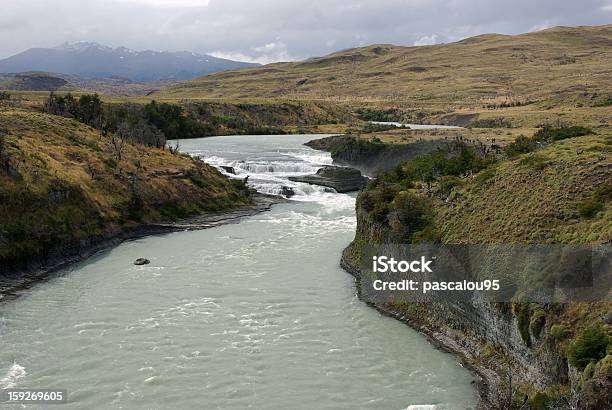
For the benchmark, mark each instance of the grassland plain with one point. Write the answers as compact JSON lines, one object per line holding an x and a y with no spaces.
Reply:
{"x":64,"y":185}
{"x":569,"y":64}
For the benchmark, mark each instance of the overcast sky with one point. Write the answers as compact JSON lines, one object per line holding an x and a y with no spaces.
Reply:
{"x":278,"y":30}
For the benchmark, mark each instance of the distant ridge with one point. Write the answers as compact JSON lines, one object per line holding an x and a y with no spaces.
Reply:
{"x":560,"y":62}
{"x":92,"y":60}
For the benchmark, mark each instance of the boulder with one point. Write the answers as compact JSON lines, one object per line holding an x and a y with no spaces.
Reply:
{"x":342,"y":179}
{"x":229,"y":170}
{"x":287,"y":192}
{"x":141,"y":261}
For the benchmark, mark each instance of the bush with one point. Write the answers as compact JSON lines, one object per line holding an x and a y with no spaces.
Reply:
{"x":447,"y":183}
{"x":522,"y":312}
{"x":604,"y":103}
{"x":521,"y":145}
{"x":500,"y":122}
{"x":589,"y":345}
{"x":151,"y":124}
{"x":559,"y":332}
{"x":413,"y":214}
{"x":361,"y":146}
{"x":536,"y":323}
{"x":535,"y":161}
{"x":435,"y":165}
{"x":596,"y":203}
{"x":549,"y":134}
{"x":540,"y":401}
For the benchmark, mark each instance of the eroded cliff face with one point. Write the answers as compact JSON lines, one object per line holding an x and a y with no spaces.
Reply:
{"x":485,"y":335}
{"x":519,"y":347}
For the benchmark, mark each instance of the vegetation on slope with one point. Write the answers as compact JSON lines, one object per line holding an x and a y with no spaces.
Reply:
{"x":154,"y":123}
{"x":64,"y":184}
{"x":497,"y":69}
{"x":557,"y":191}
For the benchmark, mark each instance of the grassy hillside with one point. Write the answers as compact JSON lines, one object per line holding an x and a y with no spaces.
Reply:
{"x":556,"y":191}
{"x":560,"y":194}
{"x":560,"y":63}
{"x":207,"y":117}
{"x":63,"y":184}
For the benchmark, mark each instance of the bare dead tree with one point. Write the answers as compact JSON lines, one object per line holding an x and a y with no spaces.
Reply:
{"x":505,"y":395}
{"x":118,"y":144}
{"x":176,"y":148}
{"x":92,"y":171}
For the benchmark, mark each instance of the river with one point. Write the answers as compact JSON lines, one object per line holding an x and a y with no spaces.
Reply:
{"x":256,"y":314}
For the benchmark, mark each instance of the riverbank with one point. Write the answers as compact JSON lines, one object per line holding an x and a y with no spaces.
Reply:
{"x":12,"y":285}
{"x":484,"y":376}
{"x":67,"y":189}
{"x":557,"y":194}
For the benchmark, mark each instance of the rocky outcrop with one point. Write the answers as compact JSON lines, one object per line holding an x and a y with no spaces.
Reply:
{"x":372,"y":158}
{"x":287,"y":192}
{"x":342,"y":179}
{"x":228,"y":169}
{"x":470,"y":329}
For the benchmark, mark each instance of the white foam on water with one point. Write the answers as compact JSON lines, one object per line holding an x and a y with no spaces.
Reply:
{"x":318,"y":158}
{"x":272,"y":176}
{"x":12,"y":377}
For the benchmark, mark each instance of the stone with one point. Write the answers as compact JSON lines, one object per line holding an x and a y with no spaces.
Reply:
{"x":342,"y":179}
{"x":141,"y":261}
{"x":287,"y":192}
{"x":229,"y":170}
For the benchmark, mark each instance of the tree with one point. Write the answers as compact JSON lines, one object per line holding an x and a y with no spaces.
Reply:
{"x":589,"y":345}
{"x":3,"y":153}
{"x":89,"y":110}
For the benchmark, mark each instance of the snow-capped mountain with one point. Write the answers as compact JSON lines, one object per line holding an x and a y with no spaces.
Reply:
{"x":93,"y":60}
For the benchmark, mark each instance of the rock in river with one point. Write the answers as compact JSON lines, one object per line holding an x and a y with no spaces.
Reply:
{"x":229,"y":170}
{"x":287,"y":192}
{"x":342,"y":179}
{"x":141,"y":261}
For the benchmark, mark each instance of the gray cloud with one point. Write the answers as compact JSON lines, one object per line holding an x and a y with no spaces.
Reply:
{"x":274,"y":30}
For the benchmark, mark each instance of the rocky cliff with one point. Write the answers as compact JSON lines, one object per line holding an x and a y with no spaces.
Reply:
{"x":522,"y":351}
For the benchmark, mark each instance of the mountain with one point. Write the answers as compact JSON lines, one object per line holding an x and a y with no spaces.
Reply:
{"x":562,"y":61}
{"x":92,"y":60}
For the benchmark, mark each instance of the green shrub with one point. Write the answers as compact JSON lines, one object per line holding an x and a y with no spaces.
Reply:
{"x":447,"y":183}
{"x":414,"y":215}
{"x":500,"y":122}
{"x":389,"y":115}
{"x":540,"y":401}
{"x":521,"y":145}
{"x":589,"y":345}
{"x":604,"y":103}
{"x":484,"y":176}
{"x":522,"y":313}
{"x":597,"y":202}
{"x":549,"y":134}
{"x":535,"y":161}
{"x":360,"y":145}
{"x":559,"y":332}
{"x":435,"y":165}
{"x":537,"y":321}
